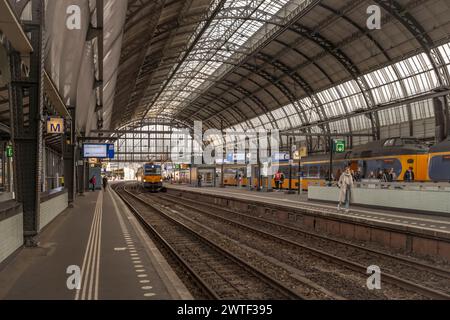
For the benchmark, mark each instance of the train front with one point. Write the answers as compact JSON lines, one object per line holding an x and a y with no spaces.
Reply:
{"x":152,"y":179}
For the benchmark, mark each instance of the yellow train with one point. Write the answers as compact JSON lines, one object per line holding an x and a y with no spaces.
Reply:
{"x":150,"y":177}
{"x":399,"y":154}
{"x":439,"y":162}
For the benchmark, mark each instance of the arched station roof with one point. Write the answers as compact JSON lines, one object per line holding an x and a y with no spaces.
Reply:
{"x":254,"y":62}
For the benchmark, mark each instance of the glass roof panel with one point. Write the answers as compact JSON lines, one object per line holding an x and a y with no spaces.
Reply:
{"x":227,"y":34}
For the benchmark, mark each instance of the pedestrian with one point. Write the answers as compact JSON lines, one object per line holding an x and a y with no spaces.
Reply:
{"x":345,"y":184}
{"x":380,"y":175}
{"x":371,"y":175}
{"x":385,"y":176}
{"x":282,"y":180}
{"x":199,"y":178}
{"x":358,"y":175}
{"x":392,"y":175}
{"x":93,"y":182}
{"x":277,"y":180}
{"x":105,"y":183}
{"x":409,"y":175}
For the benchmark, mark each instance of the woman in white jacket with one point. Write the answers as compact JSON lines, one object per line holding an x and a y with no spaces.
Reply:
{"x":345,"y":184}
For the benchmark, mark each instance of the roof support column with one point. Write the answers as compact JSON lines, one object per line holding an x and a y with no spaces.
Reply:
{"x":69,"y":144}
{"x":27,"y":133}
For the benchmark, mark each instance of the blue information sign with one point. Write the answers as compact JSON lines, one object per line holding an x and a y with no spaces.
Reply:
{"x":111,"y":152}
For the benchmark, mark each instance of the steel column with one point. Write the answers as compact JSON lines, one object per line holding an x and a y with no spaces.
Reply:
{"x":27,"y":135}
{"x":69,"y":157}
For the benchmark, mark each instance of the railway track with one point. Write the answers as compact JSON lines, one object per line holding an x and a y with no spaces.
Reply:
{"x":216,"y":272}
{"x":424,"y":279}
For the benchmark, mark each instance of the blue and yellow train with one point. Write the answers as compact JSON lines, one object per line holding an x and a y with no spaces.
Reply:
{"x":429,"y":164}
{"x":150,"y":176}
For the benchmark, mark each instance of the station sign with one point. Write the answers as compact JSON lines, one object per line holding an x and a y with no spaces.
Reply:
{"x":339,"y":146}
{"x":280,"y":157}
{"x":301,"y":153}
{"x":9,"y":151}
{"x":55,"y":125}
{"x":233,"y":157}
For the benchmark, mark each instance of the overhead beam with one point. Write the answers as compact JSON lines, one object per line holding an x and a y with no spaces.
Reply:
{"x":301,"y":11}
{"x":52,"y":93}
{"x":137,"y":131}
{"x":377,"y":108}
{"x":326,"y":134}
{"x":97,"y":138}
{"x":4,"y":128}
{"x":213,"y":14}
{"x":143,"y":153}
{"x":11,"y":27}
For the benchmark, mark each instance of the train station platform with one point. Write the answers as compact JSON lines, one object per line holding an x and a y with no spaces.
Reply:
{"x":394,"y":228}
{"x":100,"y":242}
{"x":394,"y":216}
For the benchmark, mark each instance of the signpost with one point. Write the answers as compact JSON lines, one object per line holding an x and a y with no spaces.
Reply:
{"x":55,"y":125}
{"x":9,"y":151}
{"x":336,"y":146}
{"x":339,"y":146}
{"x":302,"y":152}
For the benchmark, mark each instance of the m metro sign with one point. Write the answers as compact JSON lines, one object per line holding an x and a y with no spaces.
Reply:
{"x":55,"y":125}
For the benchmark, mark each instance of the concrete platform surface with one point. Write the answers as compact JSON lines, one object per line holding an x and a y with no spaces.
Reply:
{"x":100,"y":242}
{"x":420,"y":221}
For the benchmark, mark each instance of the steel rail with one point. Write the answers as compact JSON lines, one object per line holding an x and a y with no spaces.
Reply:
{"x":275,"y":284}
{"x":431,"y":293}
{"x":203,"y":286}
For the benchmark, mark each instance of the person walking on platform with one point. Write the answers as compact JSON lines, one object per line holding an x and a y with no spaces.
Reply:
{"x":409,"y":175}
{"x":199,"y":180}
{"x":105,"y":183}
{"x":282,"y":180}
{"x":380,"y":175}
{"x":277,"y":180}
{"x":392,"y":175}
{"x":358,"y":175}
{"x":240,"y":181}
{"x":385,"y":177}
{"x":93,"y":182}
{"x":346,"y":185}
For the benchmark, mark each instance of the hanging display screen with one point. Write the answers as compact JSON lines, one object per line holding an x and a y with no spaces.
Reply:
{"x":101,"y":151}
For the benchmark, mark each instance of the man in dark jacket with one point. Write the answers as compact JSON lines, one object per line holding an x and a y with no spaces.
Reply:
{"x":409,"y":175}
{"x":105,"y":183}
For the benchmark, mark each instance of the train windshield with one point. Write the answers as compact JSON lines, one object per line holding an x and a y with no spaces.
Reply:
{"x":149,"y":170}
